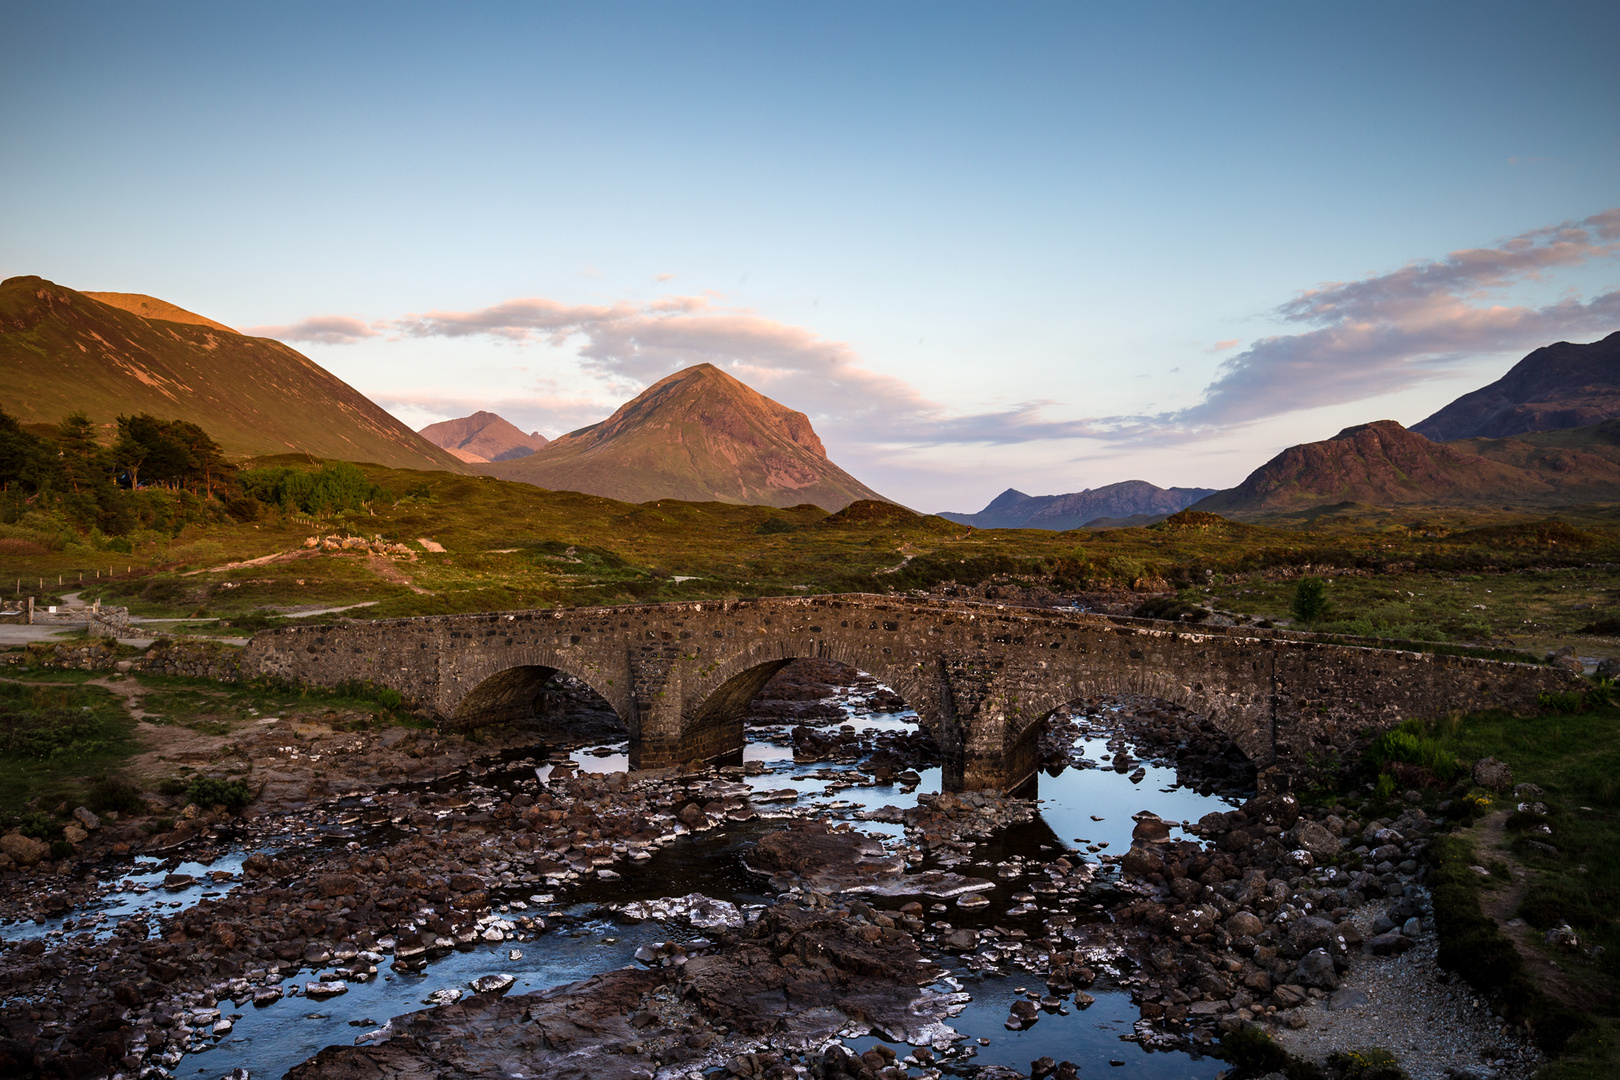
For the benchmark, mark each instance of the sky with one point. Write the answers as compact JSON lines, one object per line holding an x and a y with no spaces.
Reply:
{"x":1042,"y":246}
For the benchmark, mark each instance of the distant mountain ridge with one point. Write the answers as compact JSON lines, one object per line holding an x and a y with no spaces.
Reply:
{"x":481,"y":437}
{"x":1012,"y":509}
{"x":1556,"y":386}
{"x":63,"y":351}
{"x":698,"y":435}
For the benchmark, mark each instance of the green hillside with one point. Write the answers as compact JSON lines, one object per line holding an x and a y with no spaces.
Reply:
{"x":62,"y":351}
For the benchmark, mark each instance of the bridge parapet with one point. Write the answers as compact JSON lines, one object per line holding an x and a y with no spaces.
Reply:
{"x":982,"y":677}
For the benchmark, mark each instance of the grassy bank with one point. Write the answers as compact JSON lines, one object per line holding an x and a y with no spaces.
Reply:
{"x":1523,"y":867}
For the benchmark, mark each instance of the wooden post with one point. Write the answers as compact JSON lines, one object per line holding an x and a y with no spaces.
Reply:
{"x":30,"y":618}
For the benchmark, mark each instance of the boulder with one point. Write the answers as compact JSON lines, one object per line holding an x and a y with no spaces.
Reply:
{"x":73,"y":834}
{"x":1314,"y":838}
{"x":330,"y":885}
{"x":1309,"y":933}
{"x":1140,"y":863}
{"x":1493,"y":774}
{"x":24,"y":850}
{"x":1609,"y":668}
{"x":1391,"y":944}
{"x":87,"y":820}
{"x":1316,"y":969}
{"x":1244,"y":924}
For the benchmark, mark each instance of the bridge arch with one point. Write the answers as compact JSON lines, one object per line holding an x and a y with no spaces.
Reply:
{"x":505,"y":685}
{"x":1233,"y":714}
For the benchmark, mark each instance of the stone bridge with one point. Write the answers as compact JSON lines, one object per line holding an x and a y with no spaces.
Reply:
{"x":981,"y":676}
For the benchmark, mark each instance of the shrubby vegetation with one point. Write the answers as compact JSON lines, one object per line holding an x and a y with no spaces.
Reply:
{"x":335,"y":486}
{"x":62,"y":490}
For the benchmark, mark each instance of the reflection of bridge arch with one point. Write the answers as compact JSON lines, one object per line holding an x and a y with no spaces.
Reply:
{"x":716,"y":703}
{"x":982,"y":676}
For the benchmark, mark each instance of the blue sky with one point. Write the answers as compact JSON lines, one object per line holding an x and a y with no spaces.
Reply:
{"x":1043,"y":246}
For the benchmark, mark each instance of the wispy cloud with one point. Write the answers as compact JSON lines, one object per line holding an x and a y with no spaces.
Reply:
{"x":1358,"y":340}
{"x":318,"y":329}
{"x":1390,"y":331}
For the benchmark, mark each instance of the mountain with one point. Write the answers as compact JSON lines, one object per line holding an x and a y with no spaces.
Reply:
{"x":63,"y":351}
{"x":150,"y":307}
{"x":1012,"y":509}
{"x":483,"y":436}
{"x":1383,"y":464}
{"x":1557,"y":386}
{"x":698,"y":435}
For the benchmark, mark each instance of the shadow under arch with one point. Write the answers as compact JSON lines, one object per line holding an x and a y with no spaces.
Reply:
{"x":713,"y":718}
{"x":509,"y":689}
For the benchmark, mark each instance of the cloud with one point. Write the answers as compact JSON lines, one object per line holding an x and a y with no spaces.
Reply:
{"x":1356,"y":340}
{"x":319,"y":329}
{"x":1222,"y":346}
{"x":1390,"y":331}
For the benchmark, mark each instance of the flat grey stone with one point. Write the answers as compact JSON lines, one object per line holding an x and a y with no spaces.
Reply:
{"x":1347,"y":999}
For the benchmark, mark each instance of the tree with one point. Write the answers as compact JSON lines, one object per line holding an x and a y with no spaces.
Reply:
{"x":83,"y":459}
{"x":1310,"y":600}
{"x":26,"y":460}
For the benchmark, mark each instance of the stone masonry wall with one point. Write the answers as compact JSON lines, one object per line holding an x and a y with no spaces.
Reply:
{"x":982,"y":676}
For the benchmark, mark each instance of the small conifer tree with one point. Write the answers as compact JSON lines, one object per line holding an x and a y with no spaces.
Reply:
{"x":1310,"y":600}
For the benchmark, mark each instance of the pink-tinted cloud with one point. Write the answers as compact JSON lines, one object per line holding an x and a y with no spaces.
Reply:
{"x":318,"y":329}
{"x":1390,"y":331}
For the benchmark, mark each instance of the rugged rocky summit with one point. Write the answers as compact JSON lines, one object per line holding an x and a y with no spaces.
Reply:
{"x":1384,"y":464}
{"x":1557,"y":386}
{"x":483,"y":436}
{"x":63,"y":351}
{"x":698,"y":435}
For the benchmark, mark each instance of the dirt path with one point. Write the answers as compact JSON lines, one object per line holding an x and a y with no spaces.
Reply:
{"x":1492,"y":844}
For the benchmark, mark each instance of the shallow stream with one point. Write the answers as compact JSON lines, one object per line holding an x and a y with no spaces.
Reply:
{"x":1081,"y":810}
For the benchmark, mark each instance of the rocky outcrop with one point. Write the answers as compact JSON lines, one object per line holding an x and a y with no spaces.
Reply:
{"x":1557,"y":386}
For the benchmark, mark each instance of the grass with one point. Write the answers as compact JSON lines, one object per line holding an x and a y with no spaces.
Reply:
{"x":50,"y":738}
{"x":214,"y":708}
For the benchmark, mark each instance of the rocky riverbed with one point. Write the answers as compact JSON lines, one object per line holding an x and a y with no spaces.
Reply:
{"x":821,"y":910}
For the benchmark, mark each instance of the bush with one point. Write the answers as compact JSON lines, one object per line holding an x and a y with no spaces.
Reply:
{"x":1251,"y":1048}
{"x":1310,"y":600}
{"x":1569,"y":702}
{"x":1410,"y":744}
{"x":335,"y":486}
{"x":1172,"y":608}
{"x":1366,"y":1065}
{"x":211,"y":791}
{"x":114,"y":793}
{"x":61,"y":849}
{"x":39,"y":825}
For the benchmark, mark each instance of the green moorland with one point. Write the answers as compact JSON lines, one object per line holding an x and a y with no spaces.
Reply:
{"x":1499,"y":577}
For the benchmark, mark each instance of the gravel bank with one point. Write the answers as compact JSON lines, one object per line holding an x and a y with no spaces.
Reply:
{"x":1434,"y":1023}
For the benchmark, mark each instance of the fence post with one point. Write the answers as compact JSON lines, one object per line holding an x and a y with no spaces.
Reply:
{"x":30,"y":619}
